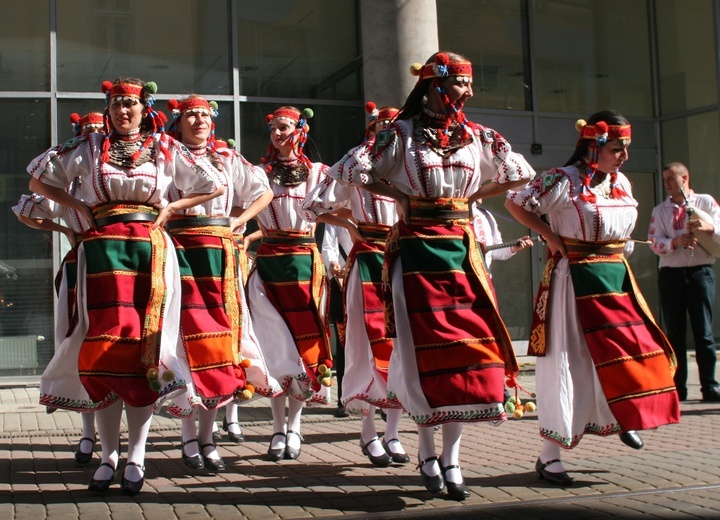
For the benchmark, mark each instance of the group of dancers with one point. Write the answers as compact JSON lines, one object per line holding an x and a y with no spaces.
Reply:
{"x":156,"y":303}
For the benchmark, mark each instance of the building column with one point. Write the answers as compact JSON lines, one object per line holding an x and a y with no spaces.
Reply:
{"x":395,"y":34}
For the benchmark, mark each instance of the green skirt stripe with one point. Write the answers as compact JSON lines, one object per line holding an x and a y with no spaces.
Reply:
{"x":599,"y":278}
{"x":285,"y":268}
{"x":113,"y":255}
{"x":435,"y":255}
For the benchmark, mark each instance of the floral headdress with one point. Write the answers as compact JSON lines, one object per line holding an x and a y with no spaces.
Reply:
{"x":193,"y":104}
{"x":300,"y":134}
{"x":441,"y":68}
{"x":92,"y":120}
{"x":600,"y":134}
{"x":124,"y":90}
{"x":378,"y":115}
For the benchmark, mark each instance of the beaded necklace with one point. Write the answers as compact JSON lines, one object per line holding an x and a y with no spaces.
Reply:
{"x":289,"y":171}
{"x":124,"y":146}
{"x":441,"y":139}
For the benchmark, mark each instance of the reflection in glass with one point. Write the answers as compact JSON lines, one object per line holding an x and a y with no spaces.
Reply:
{"x":591,"y":55}
{"x":304,"y":49}
{"x":491,"y":37}
{"x":182,"y":45}
{"x":26,"y":277}
{"x":687,"y":77}
{"x":25,"y":45}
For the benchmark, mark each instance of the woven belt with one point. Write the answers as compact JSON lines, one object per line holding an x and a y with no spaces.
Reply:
{"x":189,"y":222}
{"x":439,"y":209}
{"x":291,"y":241}
{"x":593,"y":248}
{"x":438,"y":214}
{"x":138,"y":216}
{"x":373,"y":231}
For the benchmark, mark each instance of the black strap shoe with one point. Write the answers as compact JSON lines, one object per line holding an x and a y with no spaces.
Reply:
{"x":277,"y":454}
{"x":80,"y":456}
{"x":455,"y":491}
{"x":397,"y":458}
{"x":382,"y":461}
{"x":433,"y":484}
{"x":132,"y":488}
{"x":192,"y":462}
{"x":210,"y":463}
{"x":103,"y":485}
{"x":556,"y":479}
{"x":290,"y":452}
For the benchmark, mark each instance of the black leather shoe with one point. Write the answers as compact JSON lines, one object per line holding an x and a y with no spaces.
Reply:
{"x":292,"y":453}
{"x":277,"y":453}
{"x":129,"y":487}
{"x":102,"y":485}
{"x":382,"y":461}
{"x":237,"y":438}
{"x":711,"y":395}
{"x":455,"y":491}
{"x":217,"y":436}
{"x":433,"y":484}
{"x":556,"y":479}
{"x":632,"y":438}
{"x":212,"y":464}
{"x":194,"y":462}
{"x":80,"y":456}
{"x":397,"y":458}
{"x":341,"y":412}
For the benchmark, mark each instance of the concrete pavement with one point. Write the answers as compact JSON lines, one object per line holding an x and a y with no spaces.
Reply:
{"x":676,"y":475}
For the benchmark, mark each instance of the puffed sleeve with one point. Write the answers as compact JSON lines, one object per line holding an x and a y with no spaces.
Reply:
{"x":508,"y":166}
{"x":58,"y":166}
{"x":365,"y":163}
{"x":327,"y":196}
{"x":37,"y":207}
{"x":249,"y":181}
{"x":543,"y":194}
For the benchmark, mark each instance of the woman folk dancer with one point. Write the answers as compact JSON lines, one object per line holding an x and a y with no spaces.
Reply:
{"x":127,"y":285}
{"x":211,"y":312}
{"x":367,"y":349}
{"x":604,"y":366}
{"x":451,"y":350}
{"x":40,"y":212}
{"x":286,"y":287}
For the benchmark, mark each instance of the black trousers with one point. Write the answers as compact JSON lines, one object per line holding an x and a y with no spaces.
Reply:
{"x":690,"y":292}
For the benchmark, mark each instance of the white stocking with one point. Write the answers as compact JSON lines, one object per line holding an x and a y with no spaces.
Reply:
{"x":451,"y":435}
{"x":277,"y":405}
{"x":392,"y":425}
{"x":295,"y":409}
{"x":368,"y":430}
{"x":551,"y":451}
{"x":189,"y":432}
{"x":207,"y":419}
{"x":108,"y":423}
{"x":138,"y":420}
{"x":231,"y":417}
{"x":88,"y":432}
{"x":426,"y":449}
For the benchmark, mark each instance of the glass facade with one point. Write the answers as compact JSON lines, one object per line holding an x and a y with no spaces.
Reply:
{"x":538,"y":64}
